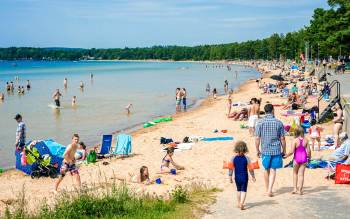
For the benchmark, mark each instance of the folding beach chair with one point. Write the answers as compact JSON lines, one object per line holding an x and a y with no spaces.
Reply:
{"x":106,"y":144}
{"x":331,"y":166}
{"x":123,"y":145}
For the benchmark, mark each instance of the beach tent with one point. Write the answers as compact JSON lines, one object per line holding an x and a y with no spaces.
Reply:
{"x":50,"y":147}
{"x":123,"y":145}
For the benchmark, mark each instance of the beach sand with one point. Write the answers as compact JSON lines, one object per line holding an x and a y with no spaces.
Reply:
{"x":203,"y":164}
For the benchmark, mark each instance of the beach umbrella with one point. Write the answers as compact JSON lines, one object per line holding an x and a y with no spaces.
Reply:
{"x":277,"y":77}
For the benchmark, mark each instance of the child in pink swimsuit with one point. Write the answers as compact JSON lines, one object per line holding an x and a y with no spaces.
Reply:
{"x":301,"y":151}
{"x":315,"y":135}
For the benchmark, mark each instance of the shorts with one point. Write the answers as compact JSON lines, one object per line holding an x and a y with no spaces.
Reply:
{"x":57,"y":102}
{"x":241,"y":185}
{"x":184,"y":101}
{"x":178,"y":102}
{"x":272,"y":161}
{"x":253,"y":119}
{"x":66,"y":167}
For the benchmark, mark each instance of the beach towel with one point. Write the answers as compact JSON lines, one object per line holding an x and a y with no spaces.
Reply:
{"x":106,"y":144}
{"x":123,"y":145}
{"x":185,"y":146}
{"x":314,"y":164}
{"x":218,"y":139}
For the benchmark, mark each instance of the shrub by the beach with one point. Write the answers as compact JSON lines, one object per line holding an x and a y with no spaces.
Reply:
{"x":117,"y":202}
{"x":179,"y":195}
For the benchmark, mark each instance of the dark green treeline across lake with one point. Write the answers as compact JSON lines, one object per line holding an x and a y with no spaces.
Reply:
{"x":328,"y":34}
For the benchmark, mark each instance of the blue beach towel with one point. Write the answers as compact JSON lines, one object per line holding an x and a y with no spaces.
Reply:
{"x":218,"y":139}
{"x":106,"y":144}
{"x":123,"y":145}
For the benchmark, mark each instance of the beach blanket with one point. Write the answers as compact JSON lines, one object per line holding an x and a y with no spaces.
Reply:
{"x":123,"y":145}
{"x":218,"y":139}
{"x":312,"y":164}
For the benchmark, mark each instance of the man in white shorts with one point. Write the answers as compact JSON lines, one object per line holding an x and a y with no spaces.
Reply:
{"x":253,"y":113}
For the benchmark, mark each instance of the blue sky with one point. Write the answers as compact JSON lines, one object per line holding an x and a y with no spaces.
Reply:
{"x":120,"y":23}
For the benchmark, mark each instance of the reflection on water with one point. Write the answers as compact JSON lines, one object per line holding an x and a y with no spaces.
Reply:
{"x":100,"y":108}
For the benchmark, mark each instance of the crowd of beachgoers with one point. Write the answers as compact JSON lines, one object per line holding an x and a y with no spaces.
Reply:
{"x":294,"y":90}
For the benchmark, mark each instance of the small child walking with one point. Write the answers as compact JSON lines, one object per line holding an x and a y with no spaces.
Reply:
{"x":315,"y":135}
{"x":301,"y":150}
{"x":240,"y":167}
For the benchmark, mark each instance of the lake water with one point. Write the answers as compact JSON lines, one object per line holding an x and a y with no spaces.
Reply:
{"x":149,"y":86}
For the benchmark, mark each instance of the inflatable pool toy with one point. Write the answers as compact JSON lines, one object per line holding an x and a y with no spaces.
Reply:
{"x":156,"y":121}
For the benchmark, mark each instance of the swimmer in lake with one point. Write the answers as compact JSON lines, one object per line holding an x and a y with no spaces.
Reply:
{"x":74,"y":100}
{"x":128,"y":108}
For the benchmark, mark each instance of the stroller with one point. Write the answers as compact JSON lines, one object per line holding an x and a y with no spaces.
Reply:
{"x":41,"y":165}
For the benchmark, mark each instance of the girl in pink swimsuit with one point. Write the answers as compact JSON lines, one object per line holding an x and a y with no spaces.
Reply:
{"x":301,"y":151}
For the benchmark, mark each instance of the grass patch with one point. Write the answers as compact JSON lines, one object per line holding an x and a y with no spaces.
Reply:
{"x":117,"y":201}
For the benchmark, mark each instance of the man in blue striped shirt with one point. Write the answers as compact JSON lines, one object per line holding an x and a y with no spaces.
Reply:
{"x":270,"y":145}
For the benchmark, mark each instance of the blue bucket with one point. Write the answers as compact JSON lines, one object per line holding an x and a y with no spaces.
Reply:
{"x":173,"y":171}
{"x":158,"y":181}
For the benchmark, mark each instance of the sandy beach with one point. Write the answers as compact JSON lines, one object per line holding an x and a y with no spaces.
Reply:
{"x":203,"y":164}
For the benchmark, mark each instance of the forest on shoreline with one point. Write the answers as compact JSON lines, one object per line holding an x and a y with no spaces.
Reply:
{"x":328,"y":34}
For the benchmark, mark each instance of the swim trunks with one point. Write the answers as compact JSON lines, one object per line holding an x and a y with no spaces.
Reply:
{"x":57,"y":102}
{"x":66,"y":167}
{"x":272,"y":161}
{"x":253,"y":119}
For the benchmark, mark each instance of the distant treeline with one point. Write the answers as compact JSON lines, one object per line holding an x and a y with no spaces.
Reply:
{"x":327,"y":35}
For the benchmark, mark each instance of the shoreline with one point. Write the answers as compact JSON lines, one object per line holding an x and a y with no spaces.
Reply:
{"x":203,"y":163}
{"x":138,"y":128}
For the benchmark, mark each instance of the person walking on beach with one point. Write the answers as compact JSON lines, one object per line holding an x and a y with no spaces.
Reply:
{"x":68,"y":164}
{"x":65,"y":83}
{"x":302,"y":152}
{"x":270,"y":145}
{"x":56,"y":97}
{"x":20,"y":133}
{"x":184,"y":98}
{"x":240,"y":168}
{"x":253,"y":112}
